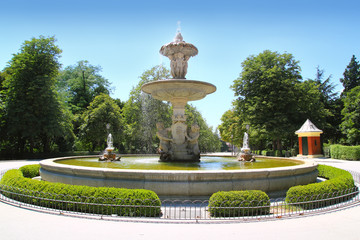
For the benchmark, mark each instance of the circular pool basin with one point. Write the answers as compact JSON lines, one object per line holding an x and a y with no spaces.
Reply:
{"x":183,"y":183}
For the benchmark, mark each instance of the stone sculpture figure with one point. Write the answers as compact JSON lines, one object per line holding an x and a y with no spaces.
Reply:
{"x":163,"y":135}
{"x":178,"y":65}
{"x":109,"y":154}
{"x":178,"y":131}
{"x":245,"y":154}
{"x":179,"y":53}
{"x":193,"y":136}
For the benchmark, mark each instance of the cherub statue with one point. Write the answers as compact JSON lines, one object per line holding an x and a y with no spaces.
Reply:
{"x":163,"y":135}
{"x":178,"y":65}
{"x":193,"y":136}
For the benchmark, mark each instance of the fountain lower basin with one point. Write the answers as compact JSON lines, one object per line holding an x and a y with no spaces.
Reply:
{"x":182,"y":183}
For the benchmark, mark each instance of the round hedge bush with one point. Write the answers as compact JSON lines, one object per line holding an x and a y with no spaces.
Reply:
{"x":239,"y":203}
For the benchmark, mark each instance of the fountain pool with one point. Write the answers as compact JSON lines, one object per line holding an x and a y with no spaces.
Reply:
{"x":207,"y":163}
{"x":181,"y":179}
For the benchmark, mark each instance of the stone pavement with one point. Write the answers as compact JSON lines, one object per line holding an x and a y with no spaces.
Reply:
{"x":19,"y":223}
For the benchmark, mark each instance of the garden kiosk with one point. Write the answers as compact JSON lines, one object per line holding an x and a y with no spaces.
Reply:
{"x":309,"y":140}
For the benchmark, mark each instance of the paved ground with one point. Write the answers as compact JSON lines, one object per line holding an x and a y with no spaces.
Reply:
{"x":18,"y":223}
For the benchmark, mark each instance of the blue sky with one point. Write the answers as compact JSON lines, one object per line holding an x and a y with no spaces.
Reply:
{"x":124,"y":37}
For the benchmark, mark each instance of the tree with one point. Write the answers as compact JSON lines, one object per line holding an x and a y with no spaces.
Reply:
{"x":267,"y":93}
{"x":332,"y":106}
{"x":141,"y":113}
{"x":2,"y":112}
{"x":309,"y":105}
{"x":102,"y":111}
{"x":208,"y":141}
{"x":351,"y":75}
{"x":34,"y":114}
{"x":80,"y":84}
{"x":231,"y":128}
{"x":351,"y":112}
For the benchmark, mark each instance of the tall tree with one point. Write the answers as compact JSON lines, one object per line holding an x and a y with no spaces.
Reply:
{"x":332,"y":106}
{"x":351,"y":75}
{"x":2,"y":112}
{"x":351,"y":112}
{"x":232,"y":128}
{"x":101,"y":112}
{"x":80,"y":84}
{"x":35,"y":116}
{"x":208,"y":141}
{"x":141,"y":113}
{"x":267,"y":93}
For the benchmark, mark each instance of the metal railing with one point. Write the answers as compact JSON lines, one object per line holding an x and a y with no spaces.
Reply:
{"x":178,"y":210}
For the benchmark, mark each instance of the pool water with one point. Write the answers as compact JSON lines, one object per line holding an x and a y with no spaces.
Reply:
{"x":206,"y":163}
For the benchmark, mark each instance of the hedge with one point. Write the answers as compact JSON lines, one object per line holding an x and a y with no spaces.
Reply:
{"x":340,"y":182}
{"x":17,"y":184}
{"x":239,"y":203}
{"x":345,"y":152}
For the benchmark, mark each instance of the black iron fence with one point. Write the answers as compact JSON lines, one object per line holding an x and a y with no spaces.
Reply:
{"x":178,"y":210}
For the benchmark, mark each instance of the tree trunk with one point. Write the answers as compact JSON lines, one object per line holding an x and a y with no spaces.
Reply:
{"x":46,"y":144}
{"x":274,"y":144}
{"x":279,"y":145}
{"x":31,"y":145}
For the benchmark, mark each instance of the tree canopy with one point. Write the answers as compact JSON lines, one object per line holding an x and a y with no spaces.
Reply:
{"x":231,"y":128}
{"x":267,"y":93}
{"x":351,"y":113}
{"x":351,"y":75}
{"x":141,"y":113}
{"x":34,"y":113}
{"x":102,"y":111}
{"x":274,"y":101}
{"x":80,"y":84}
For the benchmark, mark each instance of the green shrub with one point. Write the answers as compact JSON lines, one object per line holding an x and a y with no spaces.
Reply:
{"x":257,"y":152}
{"x":239,"y":203}
{"x":340,"y":182}
{"x":326,"y":150}
{"x":267,"y":153}
{"x":30,"y":171}
{"x":345,"y":152}
{"x":279,"y":153}
{"x":270,"y":153}
{"x":99,"y":200}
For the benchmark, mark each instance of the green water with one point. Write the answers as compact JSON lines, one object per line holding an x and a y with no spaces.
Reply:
{"x":206,"y":163}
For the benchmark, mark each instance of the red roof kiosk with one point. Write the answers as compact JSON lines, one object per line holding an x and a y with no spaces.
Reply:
{"x":309,"y":140}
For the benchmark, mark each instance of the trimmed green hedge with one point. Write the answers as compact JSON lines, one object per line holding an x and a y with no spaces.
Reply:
{"x":340,"y":182}
{"x":99,"y":200}
{"x":239,"y":203}
{"x":267,"y":153}
{"x":30,"y":171}
{"x":345,"y":152}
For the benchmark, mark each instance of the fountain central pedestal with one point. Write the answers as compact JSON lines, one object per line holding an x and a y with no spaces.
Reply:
{"x":178,"y":143}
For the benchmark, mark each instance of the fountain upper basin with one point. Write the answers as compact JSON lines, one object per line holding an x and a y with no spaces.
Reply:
{"x":169,"y":89}
{"x":182,"y":183}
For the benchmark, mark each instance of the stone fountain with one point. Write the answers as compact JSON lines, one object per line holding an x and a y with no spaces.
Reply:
{"x":245,"y":153}
{"x":109,"y":154}
{"x":177,"y":142}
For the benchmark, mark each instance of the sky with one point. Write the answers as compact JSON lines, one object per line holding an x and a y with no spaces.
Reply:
{"x":124,"y":37}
